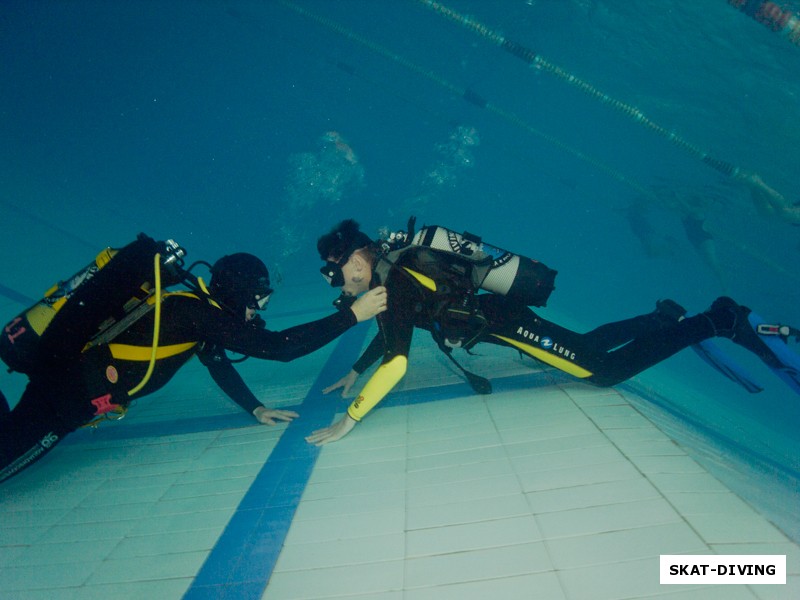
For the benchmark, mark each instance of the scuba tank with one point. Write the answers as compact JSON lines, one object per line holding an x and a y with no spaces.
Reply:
{"x":511,"y":275}
{"x":21,"y":335}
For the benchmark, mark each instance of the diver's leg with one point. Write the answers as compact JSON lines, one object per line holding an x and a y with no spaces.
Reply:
{"x":27,"y":433}
{"x":650,"y":349}
{"x":4,"y":408}
{"x":588,"y":356}
{"x":41,"y":419}
{"x":612,"y":335}
{"x":517,"y":326}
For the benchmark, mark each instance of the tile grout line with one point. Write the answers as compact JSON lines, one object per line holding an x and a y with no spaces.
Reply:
{"x":636,"y":466}
{"x":241,"y":562}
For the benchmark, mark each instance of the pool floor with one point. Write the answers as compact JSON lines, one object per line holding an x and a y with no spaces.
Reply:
{"x":548,"y":488}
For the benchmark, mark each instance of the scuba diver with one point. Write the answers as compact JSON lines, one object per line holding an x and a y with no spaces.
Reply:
{"x":691,"y":207}
{"x":432,"y":279}
{"x":86,"y":345}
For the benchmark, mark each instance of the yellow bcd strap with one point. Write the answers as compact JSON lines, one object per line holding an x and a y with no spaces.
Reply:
{"x":423,"y":279}
{"x":134,"y":353}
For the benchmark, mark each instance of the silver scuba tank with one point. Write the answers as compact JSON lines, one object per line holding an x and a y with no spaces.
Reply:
{"x":511,"y":275}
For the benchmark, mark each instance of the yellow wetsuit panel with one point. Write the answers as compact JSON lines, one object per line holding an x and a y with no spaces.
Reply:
{"x":548,"y":358}
{"x":381,"y":383}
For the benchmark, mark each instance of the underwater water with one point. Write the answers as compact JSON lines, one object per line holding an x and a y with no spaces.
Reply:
{"x":255,"y":126}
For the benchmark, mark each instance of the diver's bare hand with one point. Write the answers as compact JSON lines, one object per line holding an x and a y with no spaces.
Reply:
{"x":271,"y":416}
{"x":345,"y":383}
{"x":333,"y":433}
{"x":370,"y":304}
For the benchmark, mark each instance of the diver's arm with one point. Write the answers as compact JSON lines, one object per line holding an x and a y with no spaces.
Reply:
{"x":234,"y":334}
{"x":380,"y":384}
{"x":292,"y":343}
{"x":370,"y":356}
{"x":228,"y":378}
{"x":397,"y":327}
{"x":396,"y":331}
{"x":230,"y":381}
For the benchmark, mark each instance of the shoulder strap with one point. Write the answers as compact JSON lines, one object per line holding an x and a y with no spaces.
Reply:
{"x":108,"y":334}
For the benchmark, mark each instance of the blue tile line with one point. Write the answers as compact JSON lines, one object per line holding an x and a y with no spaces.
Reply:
{"x":241,"y":562}
{"x":512,"y":383}
{"x":127,"y":430}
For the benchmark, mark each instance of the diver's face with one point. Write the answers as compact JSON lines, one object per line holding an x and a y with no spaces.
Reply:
{"x":357,"y":274}
{"x":260,"y":302}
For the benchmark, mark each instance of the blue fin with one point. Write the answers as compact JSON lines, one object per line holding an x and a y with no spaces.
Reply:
{"x":710,"y":352}
{"x":784,"y":362}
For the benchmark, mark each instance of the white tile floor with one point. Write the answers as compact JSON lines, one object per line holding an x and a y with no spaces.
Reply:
{"x":547,"y":491}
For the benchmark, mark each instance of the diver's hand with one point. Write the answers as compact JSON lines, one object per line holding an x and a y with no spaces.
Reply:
{"x":268,"y":416}
{"x":370,"y":304}
{"x":333,"y":433}
{"x":345,"y":383}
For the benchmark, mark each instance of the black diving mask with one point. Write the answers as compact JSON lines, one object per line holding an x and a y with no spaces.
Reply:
{"x":332,"y":272}
{"x":261,"y":299}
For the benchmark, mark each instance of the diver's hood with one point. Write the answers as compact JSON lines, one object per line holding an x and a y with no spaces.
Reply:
{"x":238,"y":279}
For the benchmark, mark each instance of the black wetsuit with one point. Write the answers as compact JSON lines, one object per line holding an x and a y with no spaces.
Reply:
{"x":605,"y":356}
{"x":69,"y":387}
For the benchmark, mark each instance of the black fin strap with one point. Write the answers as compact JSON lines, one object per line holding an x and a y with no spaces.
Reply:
{"x":479,"y":384}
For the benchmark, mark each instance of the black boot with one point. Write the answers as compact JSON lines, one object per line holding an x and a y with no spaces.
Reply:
{"x":726,"y":316}
{"x":730,"y":320}
{"x":669,"y":311}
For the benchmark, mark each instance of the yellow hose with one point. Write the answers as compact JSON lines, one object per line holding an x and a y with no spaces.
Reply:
{"x":156,"y":327}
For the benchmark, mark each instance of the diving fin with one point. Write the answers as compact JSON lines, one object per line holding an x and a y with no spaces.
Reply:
{"x":775,"y":353}
{"x":710,"y":352}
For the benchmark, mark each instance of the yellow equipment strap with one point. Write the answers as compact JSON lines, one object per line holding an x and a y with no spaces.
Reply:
{"x":203,"y":287}
{"x":143,"y":353}
{"x":151,"y":299}
{"x":546,"y":357}
{"x":423,"y":279}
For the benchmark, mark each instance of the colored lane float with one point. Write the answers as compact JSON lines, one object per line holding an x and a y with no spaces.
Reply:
{"x":772,"y":16}
{"x":537,"y":61}
{"x":477,"y":100}
{"x":467,"y":94}
{"x":770,"y":200}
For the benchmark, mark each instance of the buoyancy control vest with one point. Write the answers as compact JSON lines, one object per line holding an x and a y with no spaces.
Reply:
{"x":490,"y":268}
{"x":20,"y":338}
{"x":454,"y":267}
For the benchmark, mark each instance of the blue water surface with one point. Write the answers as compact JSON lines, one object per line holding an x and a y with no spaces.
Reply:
{"x":255,"y":126}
